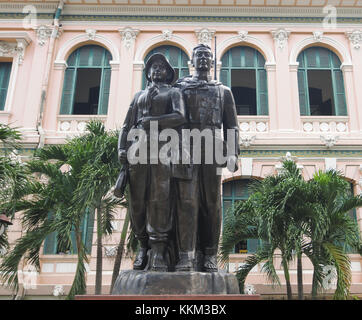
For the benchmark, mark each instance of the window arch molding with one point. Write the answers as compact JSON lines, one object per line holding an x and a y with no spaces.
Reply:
{"x":250,"y":41}
{"x":335,"y":46}
{"x":316,"y":97}
{"x":158,"y":40}
{"x":81,"y":40}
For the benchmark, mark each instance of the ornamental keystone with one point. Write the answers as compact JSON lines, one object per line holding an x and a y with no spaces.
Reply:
{"x":167,"y":34}
{"x":318,"y":35}
{"x":243,"y":35}
{"x":91,"y":33}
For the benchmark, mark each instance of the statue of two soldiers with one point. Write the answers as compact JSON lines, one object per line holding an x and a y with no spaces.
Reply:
{"x":175,"y":208}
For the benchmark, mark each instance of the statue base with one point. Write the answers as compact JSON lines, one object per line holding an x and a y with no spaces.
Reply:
{"x":134,"y":282}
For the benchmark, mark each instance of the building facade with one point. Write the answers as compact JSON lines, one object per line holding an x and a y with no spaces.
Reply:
{"x":294,"y":66}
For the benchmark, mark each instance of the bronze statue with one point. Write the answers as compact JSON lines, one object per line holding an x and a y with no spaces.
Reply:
{"x":175,"y":208}
{"x":209,"y":105}
{"x":150,"y":184}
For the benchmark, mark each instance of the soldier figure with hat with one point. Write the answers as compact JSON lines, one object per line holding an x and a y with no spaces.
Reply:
{"x":150,"y":184}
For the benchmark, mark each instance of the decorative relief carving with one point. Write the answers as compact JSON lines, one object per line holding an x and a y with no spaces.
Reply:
{"x":329,"y":140}
{"x":253,"y":126}
{"x":43,"y":33}
{"x":325,"y":126}
{"x":128,"y":36}
{"x":246,"y":140}
{"x":58,"y":290}
{"x":167,"y":34}
{"x":204,"y":36}
{"x":110,"y":252}
{"x":355,"y":37}
{"x":7,"y":49}
{"x":281,"y":37}
{"x":10,"y":49}
{"x":318,"y":35}
{"x":243,"y":35}
{"x":249,"y":289}
{"x":91,"y":33}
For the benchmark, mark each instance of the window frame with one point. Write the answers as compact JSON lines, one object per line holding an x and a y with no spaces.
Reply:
{"x":9,"y":83}
{"x":105,"y":67}
{"x":50,"y":244}
{"x":304,"y":68}
{"x":257,"y":67}
{"x":233,"y":198}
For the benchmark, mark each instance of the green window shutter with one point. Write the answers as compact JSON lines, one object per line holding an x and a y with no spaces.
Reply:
{"x":98,"y":56}
{"x":224,"y":77}
{"x":340,"y":99}
{"x":262,"y":92}
{"x":303,"y":93}
{"x":68,"y":91}
{"x":50,"y":243}
{"x":237,"y":57}
{"x":252,"y":245}
{"x":73,"y":239}
{"x":225,"y":60}
{"x":104,"y":94}
{"x":88,"y":231}
{"x":5,"y":70}
{"x":86,"y":56}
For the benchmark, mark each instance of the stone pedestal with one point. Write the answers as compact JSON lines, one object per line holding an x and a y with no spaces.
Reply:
{"x":132,"y":282}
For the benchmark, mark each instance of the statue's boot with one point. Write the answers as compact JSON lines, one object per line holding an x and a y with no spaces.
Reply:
{"x":141,"y":259}
{"x":210,"y":263}
{"x":158,"y":260}
{"x":186,"y":262}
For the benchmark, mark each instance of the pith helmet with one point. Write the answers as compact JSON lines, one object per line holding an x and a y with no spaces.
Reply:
{"x":170,"y":71}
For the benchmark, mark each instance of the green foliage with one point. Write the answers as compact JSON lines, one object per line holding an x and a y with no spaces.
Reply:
{"x":64,"y":180}
{"x":295,"y":216}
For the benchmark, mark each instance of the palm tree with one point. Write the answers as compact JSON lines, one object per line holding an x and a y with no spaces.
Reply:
{"x":11,"y":174}
{"x":48,"y":189}
{"x":295,"y":216}
{"x":97,"y":178}
{"x":332,"y":229}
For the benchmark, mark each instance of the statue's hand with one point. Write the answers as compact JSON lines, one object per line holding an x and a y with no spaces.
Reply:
{"x":232,"y":163}
{"x":122,"y":156}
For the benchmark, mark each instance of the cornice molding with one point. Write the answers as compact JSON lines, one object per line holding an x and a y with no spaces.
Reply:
{"x":74,"y":9}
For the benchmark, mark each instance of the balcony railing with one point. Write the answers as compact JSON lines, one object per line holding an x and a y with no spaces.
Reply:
{"x":73,"y":124}
{"x":253,"y":124}
{"x":325,"y":124}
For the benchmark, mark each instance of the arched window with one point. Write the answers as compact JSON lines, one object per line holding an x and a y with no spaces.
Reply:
{"x":86,"y":81}
{"x":5,"y":70}
{"x":320,"y":83}
{"x":53,"y":246}
{"x":233,"y":192}
{"x":243,"y":70}
{"x":177,"y":58}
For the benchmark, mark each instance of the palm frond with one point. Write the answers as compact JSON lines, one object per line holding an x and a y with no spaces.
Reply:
{"x":343,"y":267}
